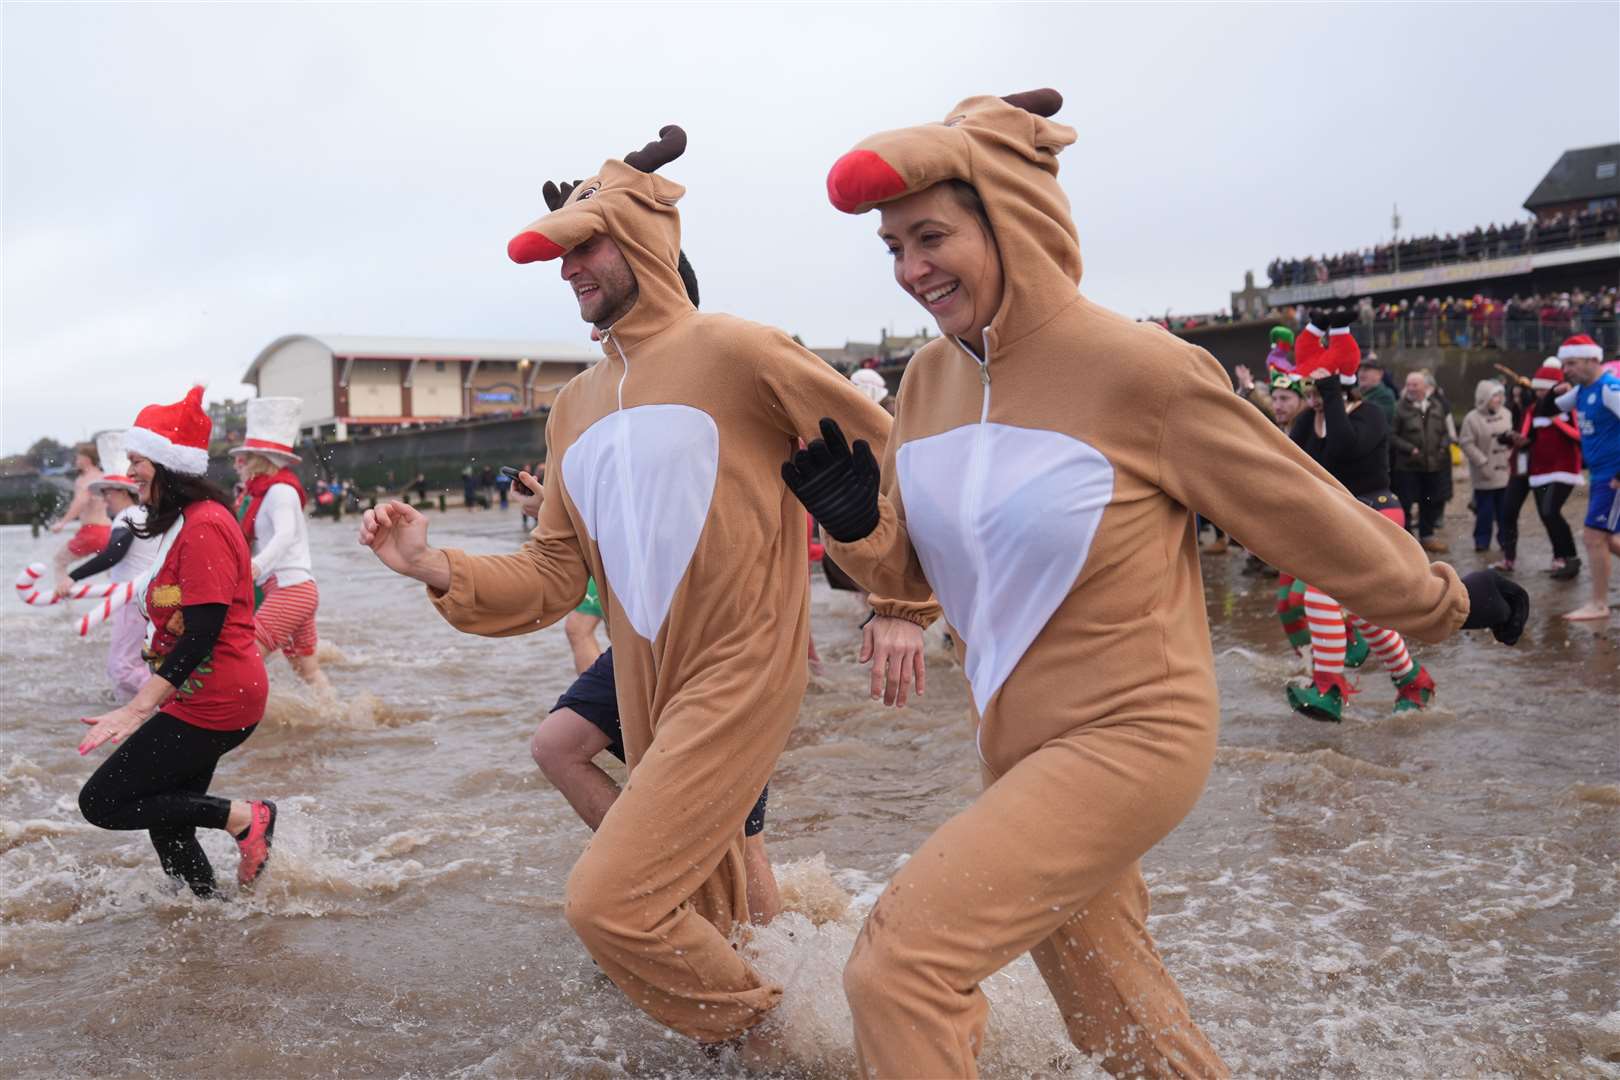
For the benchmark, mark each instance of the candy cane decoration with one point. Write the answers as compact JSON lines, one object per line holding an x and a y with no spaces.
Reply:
{"x":28,"y":589}
{"x":123,"y":593}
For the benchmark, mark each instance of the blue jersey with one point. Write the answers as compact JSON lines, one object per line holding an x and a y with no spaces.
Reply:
{"x":1599,"y":405}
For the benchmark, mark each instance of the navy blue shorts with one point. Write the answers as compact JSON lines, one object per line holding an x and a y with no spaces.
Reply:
{"x":1603,"y":509}
{"x":594,"y":696}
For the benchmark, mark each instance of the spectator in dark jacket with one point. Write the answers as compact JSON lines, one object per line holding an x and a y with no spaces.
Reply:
{"x":1373,"y":389}
{"x":1422,"y":444}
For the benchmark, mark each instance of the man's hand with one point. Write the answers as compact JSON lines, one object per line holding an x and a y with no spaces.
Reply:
{"x":56,"y":526}
{"x":895,"y":648}
{"x":1245,"y":379}
{"x":397,"y":533}
{"x":530,"y":504}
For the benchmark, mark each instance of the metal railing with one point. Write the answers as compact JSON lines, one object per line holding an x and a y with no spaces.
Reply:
{"x":1465,"y":331}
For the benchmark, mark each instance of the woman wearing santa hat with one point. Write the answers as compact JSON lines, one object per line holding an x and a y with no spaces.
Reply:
{"x":207,"y":690}
{"x":125,"y":558}
{"x":271,"y":512}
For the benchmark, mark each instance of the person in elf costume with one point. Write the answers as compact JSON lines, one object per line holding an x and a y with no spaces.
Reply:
{"x":1352,"y":443}
{"x":271,"y":513}
{"x":662,"y":483}
{"x":1027,"y":486}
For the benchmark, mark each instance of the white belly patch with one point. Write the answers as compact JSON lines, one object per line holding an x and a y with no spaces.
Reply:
{"x":643,"y":480}
{"x":1002,"y":519}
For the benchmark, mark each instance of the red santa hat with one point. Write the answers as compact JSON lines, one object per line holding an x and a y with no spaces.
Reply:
{"x":1550,"y":374}
{"x":174,"y":436}
{"x":1580,"y":346}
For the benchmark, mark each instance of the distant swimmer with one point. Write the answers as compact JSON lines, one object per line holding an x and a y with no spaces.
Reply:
{"x":125,"y":558}
{"x":87,"y":508}
{"x":271,"y":513}
{"x":1027,"y":485}
{"x":207,"y":691}
{"x":663,"y":483}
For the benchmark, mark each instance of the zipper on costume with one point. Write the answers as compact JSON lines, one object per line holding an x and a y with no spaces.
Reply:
{"x":621,"y":438}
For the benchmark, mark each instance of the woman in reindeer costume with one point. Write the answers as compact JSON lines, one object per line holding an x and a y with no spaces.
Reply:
{"x":271,"y":512}
{"x":1027,"y":486}
{"x":662,"y":483}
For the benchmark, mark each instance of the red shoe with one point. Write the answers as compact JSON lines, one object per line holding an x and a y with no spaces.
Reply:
{"x":255,"y":846}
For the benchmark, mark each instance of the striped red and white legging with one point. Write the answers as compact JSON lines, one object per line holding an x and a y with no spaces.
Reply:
{"x":1329,"y":623}
{"x":286,"y":619}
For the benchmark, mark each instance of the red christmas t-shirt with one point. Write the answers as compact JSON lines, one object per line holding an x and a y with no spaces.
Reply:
{"x":209,"y":564}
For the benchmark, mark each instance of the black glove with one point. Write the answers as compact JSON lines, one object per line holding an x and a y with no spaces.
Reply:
{"x":1340,"y":318}
{"x":839,"y":488}
{"x":1496,"y":604}
{"x":1319,"y":318}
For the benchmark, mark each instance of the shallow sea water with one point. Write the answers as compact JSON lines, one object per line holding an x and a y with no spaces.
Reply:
{"x":1431,"y":895}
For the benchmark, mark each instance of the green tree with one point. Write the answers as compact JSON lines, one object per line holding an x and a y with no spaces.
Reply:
{"x":48,"y":453}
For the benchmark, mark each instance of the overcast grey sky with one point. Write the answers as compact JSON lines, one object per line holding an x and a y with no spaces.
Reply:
{"x":183,"y":184}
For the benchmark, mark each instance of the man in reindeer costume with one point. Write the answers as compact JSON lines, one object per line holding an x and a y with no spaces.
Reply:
{"x":662,"y":483}
{"x":1027,"y":485}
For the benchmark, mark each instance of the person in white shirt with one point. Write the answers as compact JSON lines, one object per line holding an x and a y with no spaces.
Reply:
{"x":271,"y":512}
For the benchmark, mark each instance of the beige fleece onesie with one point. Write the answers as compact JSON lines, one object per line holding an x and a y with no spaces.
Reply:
{"x":663,"y":470}
{"x":1044,"y":495}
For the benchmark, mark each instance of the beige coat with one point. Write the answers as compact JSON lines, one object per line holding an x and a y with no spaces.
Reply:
{"x":1489,"y":460}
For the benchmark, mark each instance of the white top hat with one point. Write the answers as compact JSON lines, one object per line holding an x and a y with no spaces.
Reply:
{"x":114,"y":463}
{"x":871,"y":384}
{"x":272,"y":428}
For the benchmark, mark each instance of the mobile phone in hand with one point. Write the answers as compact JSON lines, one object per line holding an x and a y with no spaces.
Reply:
{"x":512,"y":473}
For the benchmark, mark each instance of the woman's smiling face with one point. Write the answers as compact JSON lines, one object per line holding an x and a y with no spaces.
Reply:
{"x":945,"y":258}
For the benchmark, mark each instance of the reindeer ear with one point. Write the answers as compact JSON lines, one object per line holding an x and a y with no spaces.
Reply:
{"x":554,"y":197}
{"x":1043,"y":102}
{"x":670,"y":144}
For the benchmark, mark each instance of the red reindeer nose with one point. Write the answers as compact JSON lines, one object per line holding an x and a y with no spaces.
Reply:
{"x":860,"y":176}
{"x":528,"y":247}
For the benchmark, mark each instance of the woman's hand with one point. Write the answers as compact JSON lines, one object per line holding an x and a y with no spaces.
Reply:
{"x":397,"y":533}
{"x":895,"y":648}
{"x":63,"y":587}
{"x":112,"y":726}
{"x":1245,"y":379}
{"x":530,"y":504}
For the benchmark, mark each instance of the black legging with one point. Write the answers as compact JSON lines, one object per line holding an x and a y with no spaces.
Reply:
{"x":1518,"y":489}
{"x":158,"y":780}
{"x":1550,"y":508}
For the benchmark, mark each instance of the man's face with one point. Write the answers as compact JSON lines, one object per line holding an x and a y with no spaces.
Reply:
{"x":1582,"y":370}
{"x":603,"y":283}
{"x":1285,"y":405}
{"x":1369,"y":377}
{"x":1416,"y":389}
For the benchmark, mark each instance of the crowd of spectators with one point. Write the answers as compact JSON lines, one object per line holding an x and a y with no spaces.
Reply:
{"x":1558,"y":230}
{"x":1537,"y":322}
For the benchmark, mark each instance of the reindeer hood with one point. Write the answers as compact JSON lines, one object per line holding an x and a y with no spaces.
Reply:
{"x":628,"y":201}
{"x":1007,"y":149}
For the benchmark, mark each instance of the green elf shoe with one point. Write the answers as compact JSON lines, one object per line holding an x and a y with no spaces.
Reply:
{"x":1356,"y":653}
{"x":1414,"y":690}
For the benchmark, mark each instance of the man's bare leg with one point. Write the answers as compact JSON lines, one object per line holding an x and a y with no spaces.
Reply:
{"x":565,"y":746}
{"x":1598,"y":546}
{"x":581,"y":631}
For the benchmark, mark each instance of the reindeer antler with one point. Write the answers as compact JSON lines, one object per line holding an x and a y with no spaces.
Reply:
{"x":556,"y":195}
{"x":670,"y":144}
{"x":1043,"y":102}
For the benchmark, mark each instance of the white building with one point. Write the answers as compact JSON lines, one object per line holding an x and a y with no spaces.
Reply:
{"x":352,"y":382}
